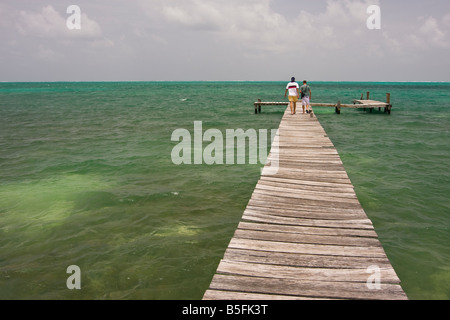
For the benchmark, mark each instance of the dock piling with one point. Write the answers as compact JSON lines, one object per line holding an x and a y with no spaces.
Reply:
{"x":389,"y":105}
{"x":258,"y":106}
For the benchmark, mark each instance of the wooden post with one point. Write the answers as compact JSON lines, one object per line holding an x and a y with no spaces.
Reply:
{"x":258,"y":106}
{"x":338,"y":107}
{"x":388,"y":101}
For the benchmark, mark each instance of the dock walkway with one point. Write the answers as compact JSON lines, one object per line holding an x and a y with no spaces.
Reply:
{"x":357,"y":104}
{"x":304,"y":234}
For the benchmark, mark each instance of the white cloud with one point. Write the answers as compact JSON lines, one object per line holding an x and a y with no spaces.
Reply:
{"x":47,"y":54}
{"x":50,"y":24}
{"x":254,"y":24}
{"x":446,"y":20}
{"x":249,"y":21}
{"x":429,"y":34}
{"x":432,"y":33}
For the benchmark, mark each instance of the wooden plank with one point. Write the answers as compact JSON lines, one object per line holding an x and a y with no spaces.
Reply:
{"x":370,"y":103}
{"x":303,"y":260}
{"x":271,"y":103}
{"x":331,"y":178}
{"x":312,"y":175}
{"x":306,"y":239}
{"x":313,"y":150}
{"x":304,"y":211}
{"x":365,"y":105}
{"x":306,"y":200}
{"x":305,"y":288}
{"x":298,"y":164}
{"x":284,"y":209}
{"x":327,"y":158}
{"x":307,"y":159}
{"x":266,"y":218}
{"x":310,"y":185}
{"x":234,"y":295}
{"x":298,"y":173}
{"x":301,"y":248}
{"x":353,"y":234}
{"x":387,"y":275}
{"x":317,"y":193}
{"x":296,"y":195}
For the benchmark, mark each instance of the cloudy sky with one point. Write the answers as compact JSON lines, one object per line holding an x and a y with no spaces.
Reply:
{"x":224,"y":40}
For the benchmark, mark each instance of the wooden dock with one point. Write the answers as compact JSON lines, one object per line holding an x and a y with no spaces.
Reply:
{"x":365,"y":104}
{"x":304,"y":234}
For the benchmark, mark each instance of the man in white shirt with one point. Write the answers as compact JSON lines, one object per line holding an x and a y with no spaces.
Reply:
{"x":294,"y":94}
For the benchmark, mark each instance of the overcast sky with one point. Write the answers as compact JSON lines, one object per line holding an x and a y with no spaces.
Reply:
{"x":188,"y":40}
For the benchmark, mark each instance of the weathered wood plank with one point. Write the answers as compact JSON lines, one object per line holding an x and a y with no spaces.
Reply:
{"x":304,"y":185}
{"x":306,"y":200}
{"x":267,"y":218}
{"x":310,"y":165}
{"x":353,"y":234}
{"x":303,"y":260}
{"x":290,"y":182}
{"x":317,"y":193}
{"x":302,"y":172}
{"x":304,"y":211}
{"x":330,"y":250}
{"x":338,"y":240}
{"x":234,"y":295}
{"x":305,"y":288}
{"x":318,"y":215}
{"x":307,"y":159}
{"x":387,"y":275}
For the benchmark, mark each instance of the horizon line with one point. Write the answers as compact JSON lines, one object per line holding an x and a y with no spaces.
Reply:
{"x":97,"y":81}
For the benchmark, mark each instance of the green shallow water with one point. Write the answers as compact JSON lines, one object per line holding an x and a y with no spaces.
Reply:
{"x":86,"y":178}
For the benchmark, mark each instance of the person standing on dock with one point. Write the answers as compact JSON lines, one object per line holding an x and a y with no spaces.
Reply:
{"x":294,"y":94}
{"x":305,"y":92}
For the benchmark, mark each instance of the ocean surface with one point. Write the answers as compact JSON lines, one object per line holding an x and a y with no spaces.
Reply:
{"x":87,"y":179}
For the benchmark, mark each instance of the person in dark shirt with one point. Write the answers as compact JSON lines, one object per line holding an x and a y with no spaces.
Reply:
{"x":305,"y":92}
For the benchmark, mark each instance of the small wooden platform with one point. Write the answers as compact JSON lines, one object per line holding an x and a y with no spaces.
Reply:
{"x":371,"y":104}
{"x":304,"y":234}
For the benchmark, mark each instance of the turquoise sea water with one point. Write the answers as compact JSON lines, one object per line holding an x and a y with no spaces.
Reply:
{"x":86,"y":178}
